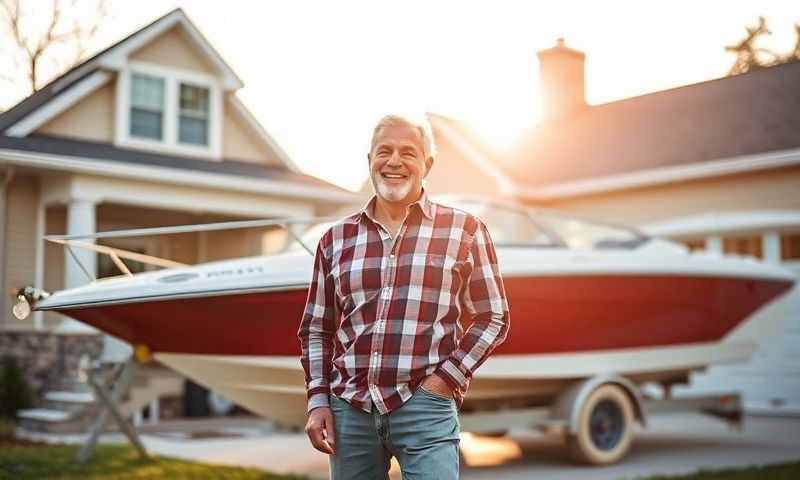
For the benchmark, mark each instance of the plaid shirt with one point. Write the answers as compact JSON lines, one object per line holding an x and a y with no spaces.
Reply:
{"x":383,"y":314}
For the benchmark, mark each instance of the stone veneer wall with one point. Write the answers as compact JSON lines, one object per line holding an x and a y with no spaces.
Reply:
{"x":48,"y":360}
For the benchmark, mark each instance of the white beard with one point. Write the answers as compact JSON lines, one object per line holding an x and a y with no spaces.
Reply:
{"x":392,"y":193}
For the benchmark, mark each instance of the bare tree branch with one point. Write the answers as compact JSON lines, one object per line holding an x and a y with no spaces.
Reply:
{"x":35,"y":47}
{"x":749,"y":57}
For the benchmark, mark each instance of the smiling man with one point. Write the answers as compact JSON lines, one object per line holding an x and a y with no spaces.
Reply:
{"x":386,"y":359}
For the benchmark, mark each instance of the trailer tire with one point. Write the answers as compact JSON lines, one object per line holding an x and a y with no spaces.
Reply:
{"x":605,"y":427}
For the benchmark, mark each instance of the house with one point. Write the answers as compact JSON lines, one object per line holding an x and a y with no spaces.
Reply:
{"x":149,"y":132}
{"x":713,"y":165}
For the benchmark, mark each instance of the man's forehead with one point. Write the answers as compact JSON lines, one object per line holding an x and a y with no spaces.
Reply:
{"x":398,"y":135}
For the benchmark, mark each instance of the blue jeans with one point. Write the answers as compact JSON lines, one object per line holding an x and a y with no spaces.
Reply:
{"x":422,"y":434}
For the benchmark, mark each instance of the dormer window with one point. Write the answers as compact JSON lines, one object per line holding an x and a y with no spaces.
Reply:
{"x":147,"y":107}
{"x":193,"y":121}
{"x":169,"y":110}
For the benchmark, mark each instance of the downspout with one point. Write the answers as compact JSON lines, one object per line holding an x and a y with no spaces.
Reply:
{"x":8,"y":175}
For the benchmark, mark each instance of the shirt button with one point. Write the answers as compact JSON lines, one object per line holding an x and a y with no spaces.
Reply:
{"x":375,"y":353}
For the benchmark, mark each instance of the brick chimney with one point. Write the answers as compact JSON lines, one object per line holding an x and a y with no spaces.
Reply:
{"x":562,"y":76}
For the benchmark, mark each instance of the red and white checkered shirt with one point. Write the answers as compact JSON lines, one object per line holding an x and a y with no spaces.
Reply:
{"x":383,"y":313}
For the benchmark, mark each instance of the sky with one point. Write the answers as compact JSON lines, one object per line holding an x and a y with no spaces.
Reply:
{"x":318,"y":74}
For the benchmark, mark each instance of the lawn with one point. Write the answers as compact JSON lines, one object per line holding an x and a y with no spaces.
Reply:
{"x":784,"y":471}
{"x":119,"y":462}
{"x":29,"y":462}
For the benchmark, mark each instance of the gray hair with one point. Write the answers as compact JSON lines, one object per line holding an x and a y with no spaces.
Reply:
{"x":421,"y":123}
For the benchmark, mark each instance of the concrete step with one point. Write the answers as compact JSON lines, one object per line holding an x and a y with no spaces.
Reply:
{"x":70,"y":397}
{"x":73,"y":402}
{"x":43,"y":414}
{"x":72,"y":407}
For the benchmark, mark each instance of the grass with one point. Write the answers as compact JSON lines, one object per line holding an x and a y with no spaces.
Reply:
{"x":118,"y":462}
{"x":29,"y":461}
{"x":783,"y":471}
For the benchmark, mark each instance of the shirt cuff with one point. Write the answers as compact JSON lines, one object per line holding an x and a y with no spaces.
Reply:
{"x":452,"y":375}
{"x":318,"y":400}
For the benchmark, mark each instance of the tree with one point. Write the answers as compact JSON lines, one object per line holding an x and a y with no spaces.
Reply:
{"x":46,"y":40}
{"x":749,"y":57}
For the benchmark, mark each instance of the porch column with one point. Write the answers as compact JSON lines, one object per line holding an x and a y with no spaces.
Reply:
{"x":80,"y":220}
{"x":771,"y":247}
{"x":714,"y":244}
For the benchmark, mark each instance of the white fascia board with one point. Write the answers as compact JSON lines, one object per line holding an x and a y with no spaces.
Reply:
{"x":117,"y":57}
{"x":724,"y":222}
{"x":59,"y":104}
{"x":662,"y":175}
{"x":504,"y":184}
{"x":251,"y":121}
{"x":174,"y":176}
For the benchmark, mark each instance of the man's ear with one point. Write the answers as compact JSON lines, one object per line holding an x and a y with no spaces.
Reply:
{"x":428,"y":166}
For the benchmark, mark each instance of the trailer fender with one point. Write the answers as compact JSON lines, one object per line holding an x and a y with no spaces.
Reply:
{"x":568,"y":404}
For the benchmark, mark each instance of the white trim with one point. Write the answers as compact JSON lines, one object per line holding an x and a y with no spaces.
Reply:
{"x":176,"y":176}
{"x":38,"y":269}
{"x":116,"y":58}
{"x":251,"y":121}
{"x":59,"y":104}
{"x":172,"y":77}
{"x":724,"y":222}
{"x":662,"y":175}
{"x":505,"y":185}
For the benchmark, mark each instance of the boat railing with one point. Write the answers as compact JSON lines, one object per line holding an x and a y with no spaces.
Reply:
{"x":86,"y":241}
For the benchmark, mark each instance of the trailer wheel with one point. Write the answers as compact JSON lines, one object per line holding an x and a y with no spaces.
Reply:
{"x":605,"y":427}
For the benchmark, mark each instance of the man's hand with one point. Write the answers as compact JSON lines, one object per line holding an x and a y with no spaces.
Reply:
{"x":320,"y":429}
{"x":435,"y":384}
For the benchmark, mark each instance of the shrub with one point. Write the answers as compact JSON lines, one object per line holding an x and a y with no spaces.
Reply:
{"x":14,"y":391}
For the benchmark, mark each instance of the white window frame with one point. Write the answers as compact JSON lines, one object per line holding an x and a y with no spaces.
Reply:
{"x":172,"y":79}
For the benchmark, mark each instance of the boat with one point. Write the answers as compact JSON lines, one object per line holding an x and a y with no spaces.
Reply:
{"x":586,"y":298}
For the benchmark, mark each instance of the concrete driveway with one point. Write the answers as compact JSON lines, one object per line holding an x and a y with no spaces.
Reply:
{"x":672,"y":444}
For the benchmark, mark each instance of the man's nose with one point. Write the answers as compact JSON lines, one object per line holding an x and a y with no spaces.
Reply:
{"x":394,"y":159}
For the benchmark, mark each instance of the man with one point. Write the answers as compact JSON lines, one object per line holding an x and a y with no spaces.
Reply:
{"x":386,"y":360}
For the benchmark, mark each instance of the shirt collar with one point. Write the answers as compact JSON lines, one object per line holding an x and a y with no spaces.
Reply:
{"x":423,"y":203}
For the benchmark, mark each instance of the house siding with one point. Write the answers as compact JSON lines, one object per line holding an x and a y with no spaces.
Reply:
{"x":20,"y":261}
{"x":90,"y":119}
{"x":452,"y":173}
{"x":174,"y":50}
{"x":772,"y":189}
{"x":239,"y":143}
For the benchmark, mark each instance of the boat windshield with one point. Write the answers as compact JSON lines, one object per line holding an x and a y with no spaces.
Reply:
{"x":512,"y":225}
{"x":579,"y":234}
{"x":516,"y":226}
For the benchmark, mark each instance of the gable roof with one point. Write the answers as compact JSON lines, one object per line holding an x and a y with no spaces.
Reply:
{"x":720,"y":126}
{"x":58,"y":153}
{"x":67,"y":147}
{"x":731,"y":117}
{"x":94,"y":71}
{"x":109,"y":58}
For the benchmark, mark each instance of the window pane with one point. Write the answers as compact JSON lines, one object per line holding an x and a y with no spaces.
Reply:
{"x":147,"y":92}
{"x":193,"y":130}
{"x":743,"y":246}
{"x":695,"y":245}
{"x":147,"y":106}
{"x":790,"y":246}
{"x":193,"y":121}
{"x":146,"y":124}
{"x":194,"y":99}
